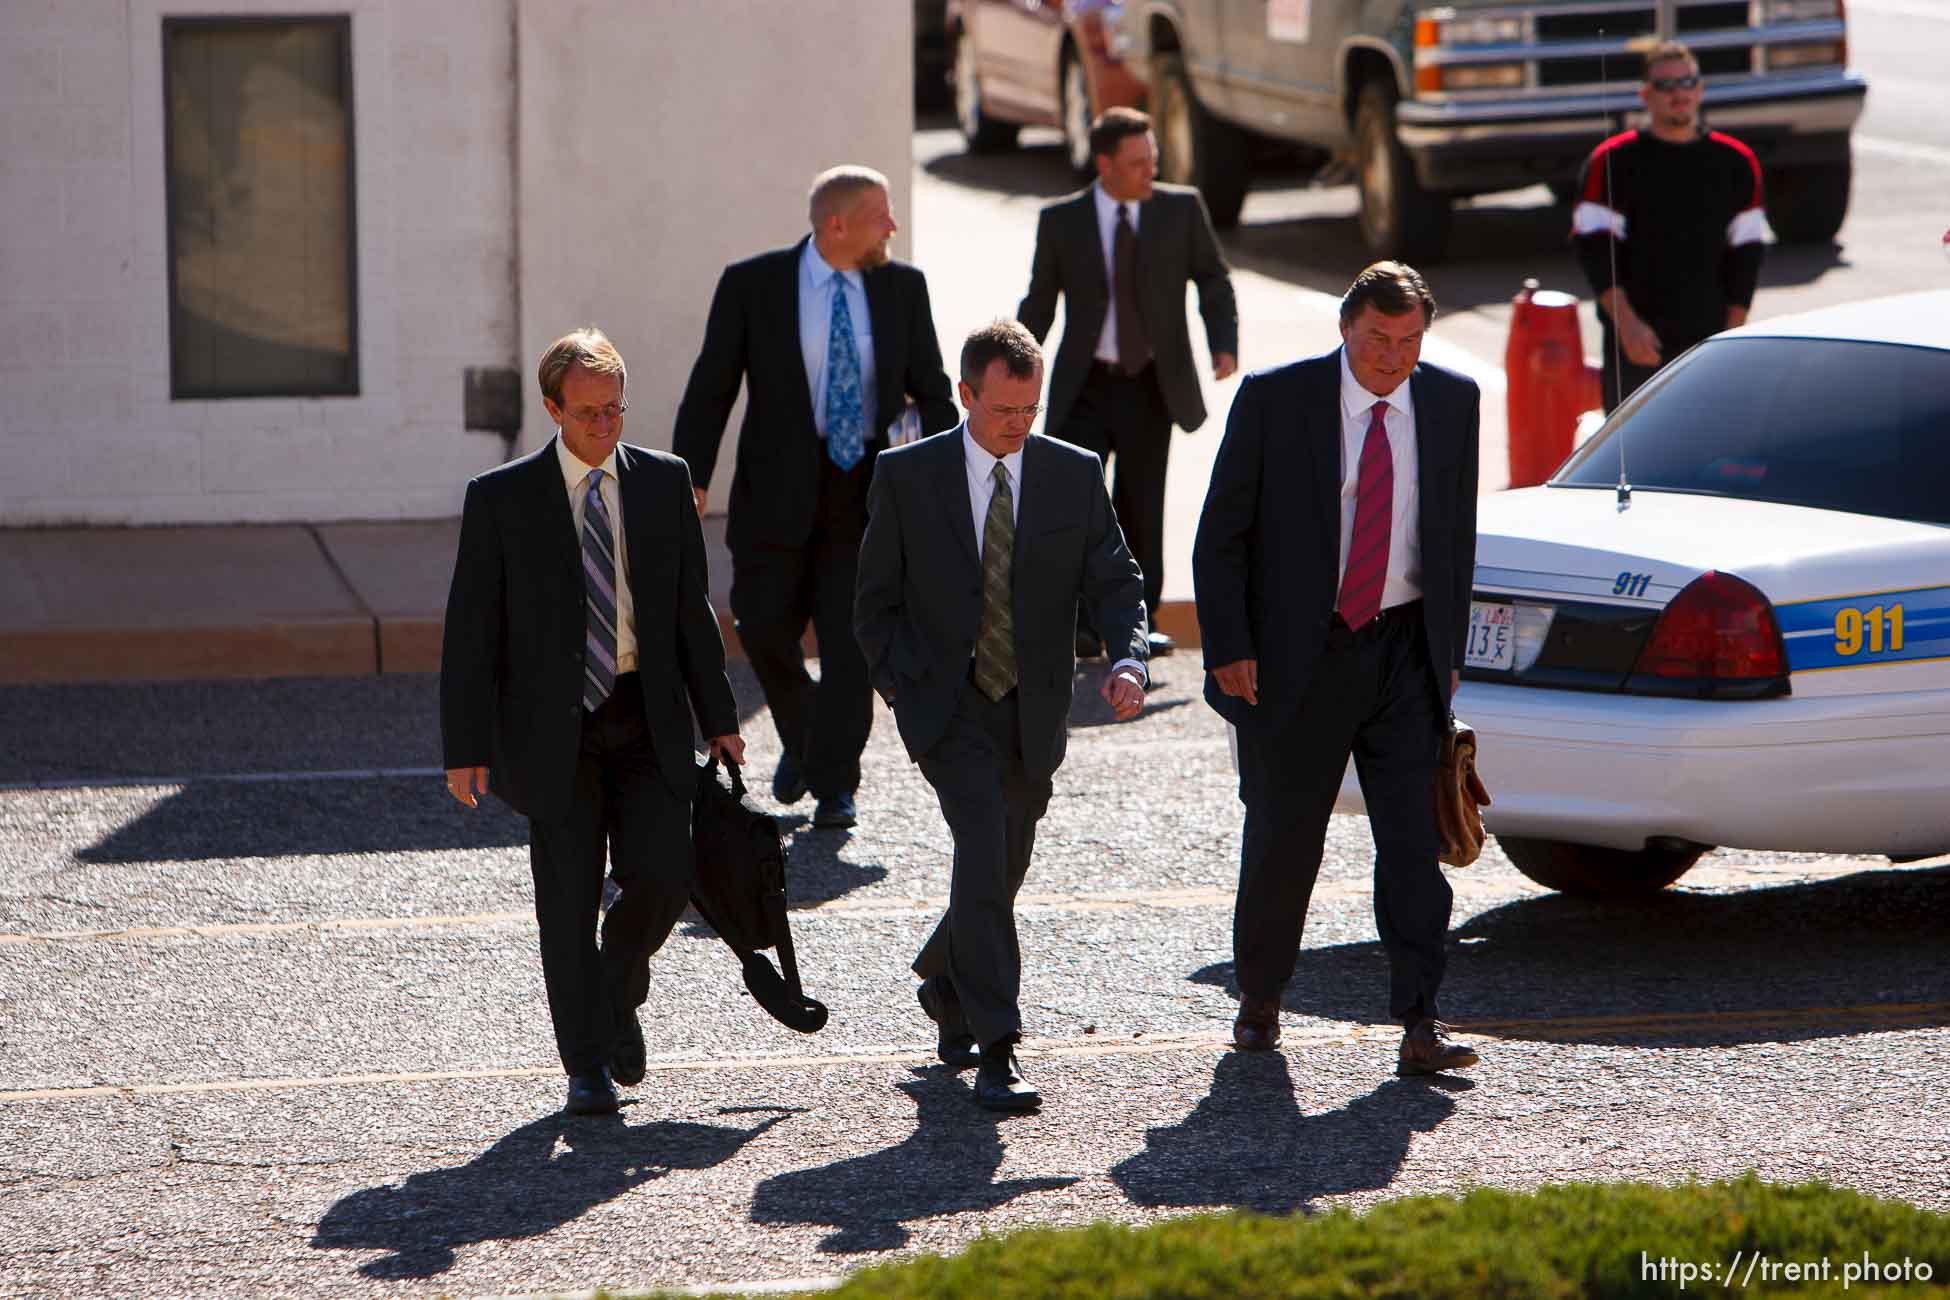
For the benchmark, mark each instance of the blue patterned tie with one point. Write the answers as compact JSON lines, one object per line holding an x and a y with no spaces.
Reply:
{"x":599,"y":576}
{"x":846,"y":417}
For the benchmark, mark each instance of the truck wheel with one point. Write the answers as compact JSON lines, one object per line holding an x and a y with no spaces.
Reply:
{"x":1076,"y":114}
{"x":1196,"y":148}
{"x":1805,"y":205}
{"x":1399,"y":219}
{"x":1594,"y":871}
{"x":982,"y":133}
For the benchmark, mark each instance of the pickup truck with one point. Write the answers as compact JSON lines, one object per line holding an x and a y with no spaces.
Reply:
{"x":1425,"y":104}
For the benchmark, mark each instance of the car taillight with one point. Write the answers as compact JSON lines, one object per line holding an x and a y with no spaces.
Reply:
{"x":1718,"y":636}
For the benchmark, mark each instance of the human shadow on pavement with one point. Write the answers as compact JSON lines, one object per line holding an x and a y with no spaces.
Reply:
{"x":539,"y":1177}
{"x":1248,"y":1145}
{"x":947,"y":1165}
{"x":1787,"y":963}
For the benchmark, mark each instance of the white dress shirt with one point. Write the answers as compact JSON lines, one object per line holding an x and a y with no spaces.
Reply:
{"x":1107,"y":232}
{"x":981,"y":491}
{"x":1403,"y":582}
{"x":818,"y":282}
{"x":574,"y":475}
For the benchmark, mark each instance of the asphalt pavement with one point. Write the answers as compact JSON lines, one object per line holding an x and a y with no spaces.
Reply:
{"x":279,"y":1029}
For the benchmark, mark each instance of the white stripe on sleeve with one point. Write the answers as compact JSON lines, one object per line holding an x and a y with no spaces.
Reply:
{"x":1594,"y":218}
{"x":1750,"y":227}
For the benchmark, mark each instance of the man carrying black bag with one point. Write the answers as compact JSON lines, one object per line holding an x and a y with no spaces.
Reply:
{"x":739,"y":890}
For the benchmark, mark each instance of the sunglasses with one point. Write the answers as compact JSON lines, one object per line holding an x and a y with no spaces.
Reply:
{"x":1688,"y":82}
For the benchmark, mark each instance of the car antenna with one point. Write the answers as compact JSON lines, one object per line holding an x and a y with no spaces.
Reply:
{"x":1611,"y":244}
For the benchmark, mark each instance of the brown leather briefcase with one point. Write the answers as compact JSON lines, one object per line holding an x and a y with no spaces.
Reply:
{"x":1458,"y":791}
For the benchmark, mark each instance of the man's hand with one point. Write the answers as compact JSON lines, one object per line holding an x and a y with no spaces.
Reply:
{"x":1224,"y":366}
{"x":467,"y":784}
{"x":1240,"y":679}
{"x":1124,"y":692}
{"x":1736,"y":316}
{"x":1637,"y":339}
{"x":1455,"y":680}
{"x":701,"y":495}
{"x":729,"y":749}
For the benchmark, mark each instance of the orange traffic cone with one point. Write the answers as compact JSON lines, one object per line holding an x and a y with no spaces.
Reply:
{"x":1549,"y":385}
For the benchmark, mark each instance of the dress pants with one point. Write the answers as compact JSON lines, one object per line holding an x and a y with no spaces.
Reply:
{"x":1123,"y":419}
{"x":775,"y":591}
{"x":992,"y":805}
{"x":1372,"y":694}
{"x":621,"y":809}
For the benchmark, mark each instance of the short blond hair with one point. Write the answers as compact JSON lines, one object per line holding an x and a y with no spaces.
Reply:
{"x":585,"y":346}
{"x":1669,"y":52}
{"x":835,"y":191}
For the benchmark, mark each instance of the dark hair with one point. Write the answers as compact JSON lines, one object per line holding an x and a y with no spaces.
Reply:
{"x":1112,"y":126}
{"x":1664,"y":52}
{"x":1393,"y":287}
{"x":1004,"y":340}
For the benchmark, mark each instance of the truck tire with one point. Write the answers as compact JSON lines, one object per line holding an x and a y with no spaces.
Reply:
{"x":982,"y":133}
{"x":1399,"y":219}
{"x":1196,"y":148}
{"x":1597,"y":872}
{"x":1806,"y":204}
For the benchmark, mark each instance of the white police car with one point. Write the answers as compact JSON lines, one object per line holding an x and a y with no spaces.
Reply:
{"x":1749,"y":648}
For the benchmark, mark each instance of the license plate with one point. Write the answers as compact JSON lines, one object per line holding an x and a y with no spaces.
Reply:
{"x":1492,"y":636}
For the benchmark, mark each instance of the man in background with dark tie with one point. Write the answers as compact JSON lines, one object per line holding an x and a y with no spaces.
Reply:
{"x":981,"y":544}
{"x":579,"y":642}
{"x":1334,"y":564}
{"x":830,"y":339}
{"x":1121,"y":253}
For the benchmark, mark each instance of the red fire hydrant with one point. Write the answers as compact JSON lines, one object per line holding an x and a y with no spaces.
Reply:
{"x":1549,"y":385}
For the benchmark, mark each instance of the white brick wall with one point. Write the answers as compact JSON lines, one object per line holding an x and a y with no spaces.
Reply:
{"x":659,"y":139}
{"x":85,"y":413}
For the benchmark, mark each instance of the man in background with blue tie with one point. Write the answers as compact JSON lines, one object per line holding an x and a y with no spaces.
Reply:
{"x":831,"y":339}
{"x":579,"y":641}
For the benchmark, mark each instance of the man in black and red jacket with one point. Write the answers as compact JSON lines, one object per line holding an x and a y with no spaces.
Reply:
{"x":1669,"y":227}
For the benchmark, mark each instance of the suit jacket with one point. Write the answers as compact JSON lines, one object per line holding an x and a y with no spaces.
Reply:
{"x":1266,"y":563}
{"x":511,"y":656}
{"x":753,"y":336}
{"x":1175,"y":244}
{"x":918,"y":605}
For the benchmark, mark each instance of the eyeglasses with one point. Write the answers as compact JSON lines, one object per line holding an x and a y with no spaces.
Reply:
{"x":1015,"y":412}
{"x":1688,"y":82}
{"x":591,"y":414}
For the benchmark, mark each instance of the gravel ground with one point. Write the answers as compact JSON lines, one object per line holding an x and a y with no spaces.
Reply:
{"x":280,"y":1036}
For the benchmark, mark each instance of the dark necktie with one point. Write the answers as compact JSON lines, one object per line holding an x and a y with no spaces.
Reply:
{"x":599,"y":576}
{"x":1374,"y":508}
{"x":995,"y":645}
{"x":1133,"y":348}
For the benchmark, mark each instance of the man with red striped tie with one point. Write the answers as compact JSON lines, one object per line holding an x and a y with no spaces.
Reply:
{"x":1333,"y":564}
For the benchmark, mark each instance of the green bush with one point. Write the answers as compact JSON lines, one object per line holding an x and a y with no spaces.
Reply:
{"x":1570,"y":1240}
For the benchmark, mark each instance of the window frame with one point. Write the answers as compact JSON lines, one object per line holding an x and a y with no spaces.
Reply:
{"x":341,"y":24}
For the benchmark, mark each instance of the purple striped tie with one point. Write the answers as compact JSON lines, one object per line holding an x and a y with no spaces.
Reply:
{"x":1374,"y":505}
{"x":599,"y":576}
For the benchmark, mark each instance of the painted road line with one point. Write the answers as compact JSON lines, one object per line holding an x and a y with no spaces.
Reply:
{"x":1860,"y":1018}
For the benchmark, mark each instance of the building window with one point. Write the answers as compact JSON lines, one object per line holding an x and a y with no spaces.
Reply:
{"x":261,"y":253}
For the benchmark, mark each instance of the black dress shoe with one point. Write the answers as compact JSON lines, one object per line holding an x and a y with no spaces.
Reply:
{"x":788,"y":780}
{"x":1257,"y":1028}
{"x":835,"y":813}
{"x":628,"y":1058}
{"x":1426,"y":1049}
{"x":999,"y":1085}
{"x":591,"y":1093}
{"x":1161,"y":645}
{"x":952,"y":1043}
